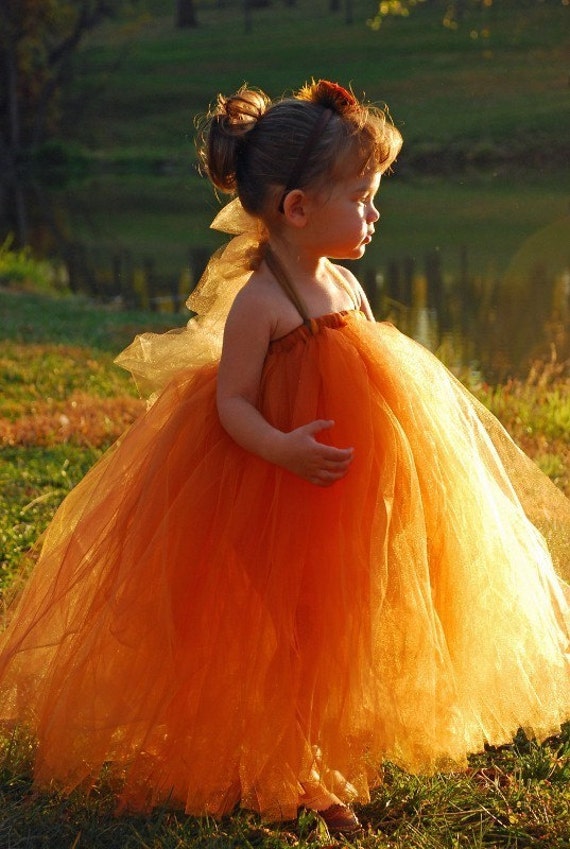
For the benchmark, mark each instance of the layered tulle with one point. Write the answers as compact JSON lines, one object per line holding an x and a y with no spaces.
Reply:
{"x":214,"y":630}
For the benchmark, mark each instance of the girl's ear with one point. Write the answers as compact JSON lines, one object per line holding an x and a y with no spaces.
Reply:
{"x":295,"y":208}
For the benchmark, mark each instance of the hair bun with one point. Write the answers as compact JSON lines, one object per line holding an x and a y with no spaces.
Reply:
{"x":329,"y":94}
{"x":223,"y":131}
{"x":239,"y":113}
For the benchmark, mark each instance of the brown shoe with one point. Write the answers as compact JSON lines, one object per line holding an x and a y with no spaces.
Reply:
{"x":340,"y":819}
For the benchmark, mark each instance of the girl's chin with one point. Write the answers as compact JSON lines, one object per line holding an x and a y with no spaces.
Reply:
{"x":350,"y":253}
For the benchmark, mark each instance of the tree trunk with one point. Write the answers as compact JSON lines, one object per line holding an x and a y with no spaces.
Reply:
{"x":247,"y":22}
{"x":186,"y":14}
{"x":20,"y":215}
{"x":29,"y":89}
{"x":13,"y":131}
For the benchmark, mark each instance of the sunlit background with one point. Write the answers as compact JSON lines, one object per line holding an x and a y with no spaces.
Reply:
{"x":472,"y":254}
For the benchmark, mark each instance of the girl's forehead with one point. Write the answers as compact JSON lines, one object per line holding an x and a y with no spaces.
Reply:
{"x":369,"y":180}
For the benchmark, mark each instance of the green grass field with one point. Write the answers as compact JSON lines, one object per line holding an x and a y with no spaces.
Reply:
{"x":448,"y":91}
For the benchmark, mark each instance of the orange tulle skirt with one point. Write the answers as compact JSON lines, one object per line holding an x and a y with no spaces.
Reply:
{"x":215,"y":631}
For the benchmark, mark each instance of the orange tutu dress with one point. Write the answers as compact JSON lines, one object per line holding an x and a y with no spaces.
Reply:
{"x":215,"y":631}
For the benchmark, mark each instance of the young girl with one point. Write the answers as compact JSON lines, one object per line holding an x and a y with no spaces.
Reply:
{"x":309,"y":555}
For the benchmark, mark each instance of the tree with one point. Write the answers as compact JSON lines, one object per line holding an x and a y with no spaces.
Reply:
{"x":452,"y":11}
{"x":38,"y":41}
{"x":186,"y":14}
{"x":335,"y":5}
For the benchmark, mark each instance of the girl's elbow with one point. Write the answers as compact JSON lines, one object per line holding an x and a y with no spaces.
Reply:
{"x":222,"y":405}
{"x":230,"y":411}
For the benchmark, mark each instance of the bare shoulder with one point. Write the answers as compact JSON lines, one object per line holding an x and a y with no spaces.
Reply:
{"x":253,"y":305}
{"x":263,"y":305}
{"x":359,"y":295}
{"x":349,"y":279}
{"x":247,"y":335}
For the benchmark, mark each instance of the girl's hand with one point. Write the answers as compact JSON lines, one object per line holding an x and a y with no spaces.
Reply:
{"x":299,"y":452}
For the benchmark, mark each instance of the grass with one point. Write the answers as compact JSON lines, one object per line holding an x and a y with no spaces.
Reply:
{"x":512,"y":798}
{"x":506,"y":88}
{"x":536,"y":412}
{"x":58,"y":352}
{"x":74,"y":321}
{"x":62,"y":403}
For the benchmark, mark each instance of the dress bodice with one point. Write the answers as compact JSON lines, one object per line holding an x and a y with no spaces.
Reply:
{"x":304,"y":332}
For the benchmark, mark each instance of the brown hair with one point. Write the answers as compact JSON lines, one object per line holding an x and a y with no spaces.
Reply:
{"x":249,"y":146}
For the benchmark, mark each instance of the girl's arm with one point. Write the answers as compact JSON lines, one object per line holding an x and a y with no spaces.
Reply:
{"x":246,"y":341}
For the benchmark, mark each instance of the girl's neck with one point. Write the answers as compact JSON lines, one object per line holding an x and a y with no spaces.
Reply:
{"x":298,"y":260}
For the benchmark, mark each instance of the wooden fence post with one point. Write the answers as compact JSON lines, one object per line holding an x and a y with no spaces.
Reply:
{"x":150,"y":273}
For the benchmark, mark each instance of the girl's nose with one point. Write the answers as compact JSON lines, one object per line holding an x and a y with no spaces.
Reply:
{"x":373,"y":215}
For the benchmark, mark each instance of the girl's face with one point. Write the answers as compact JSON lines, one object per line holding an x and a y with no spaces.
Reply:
{"x":342,"y":222}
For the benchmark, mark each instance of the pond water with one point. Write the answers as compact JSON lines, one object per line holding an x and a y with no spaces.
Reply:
{"x":476,"y":267}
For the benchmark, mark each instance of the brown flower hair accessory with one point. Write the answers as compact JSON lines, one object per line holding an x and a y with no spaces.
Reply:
{"x":329,"y":94}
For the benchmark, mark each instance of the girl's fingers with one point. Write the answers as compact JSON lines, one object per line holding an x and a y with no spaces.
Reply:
{"x":333,"y":464}
{"x":326,"y":477}
{"x":319,"y":424}
{"x":332,"y":455}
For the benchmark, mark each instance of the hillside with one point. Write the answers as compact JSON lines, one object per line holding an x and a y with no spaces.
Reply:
{"x":494,"y":90}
